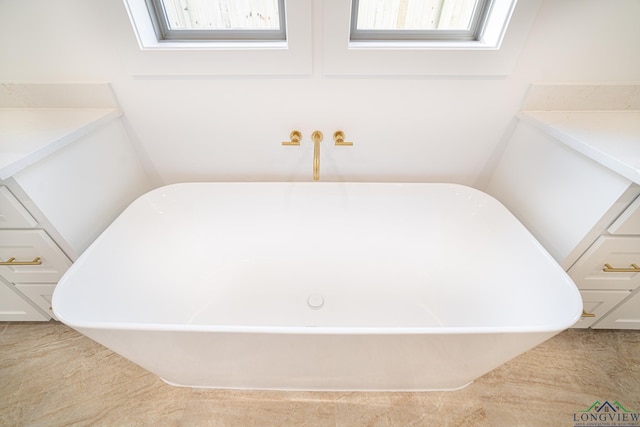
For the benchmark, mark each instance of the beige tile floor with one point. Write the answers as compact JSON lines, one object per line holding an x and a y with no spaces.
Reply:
{"x":52,"y":376}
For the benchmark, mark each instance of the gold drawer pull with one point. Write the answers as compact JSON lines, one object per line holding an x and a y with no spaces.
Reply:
{"x":12,"y":261}
{"x":585,"y":314}
{"x":633,"y":269}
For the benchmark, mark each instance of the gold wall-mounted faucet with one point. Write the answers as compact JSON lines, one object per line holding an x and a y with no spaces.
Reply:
{"x":338,"y":137}
{"x":317,"y":137}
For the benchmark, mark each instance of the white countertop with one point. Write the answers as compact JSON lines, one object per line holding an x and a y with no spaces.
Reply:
{"x":28,"y":135}
{"x":610,"y":137}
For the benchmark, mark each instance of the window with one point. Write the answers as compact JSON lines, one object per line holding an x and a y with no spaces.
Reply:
{"x":430,"y":24}
{"x":414,"y":37}
{"x":418,"y":20}
{"x":491,"y":46}
{"x":247,"y":53}
{"x":194,"y":20}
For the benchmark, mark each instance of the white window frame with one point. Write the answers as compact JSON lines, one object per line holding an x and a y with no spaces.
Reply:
{"x":158,"y":58}
{"x":142,"y":20}
{"x":477,"y":25}
{"x":494,"y":54}
{"x":166,"y":34}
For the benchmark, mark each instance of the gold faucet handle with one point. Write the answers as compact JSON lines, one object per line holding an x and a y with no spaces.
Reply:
{"x":295,"y":136}
{"x":338,"y":137}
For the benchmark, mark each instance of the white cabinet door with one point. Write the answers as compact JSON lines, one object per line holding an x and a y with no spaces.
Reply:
{"x":627,"y":316}
{"x":40,"y":294}
{"x":12,"y":213}
{"x":609,"y":264}
{"x":596,"y":304}
{"x":30,"y":256}
{"x":14,"y":308}
{"x":629,"y":221}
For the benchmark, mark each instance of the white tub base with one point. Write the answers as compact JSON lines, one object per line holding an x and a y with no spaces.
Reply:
{"x":317,"y":286}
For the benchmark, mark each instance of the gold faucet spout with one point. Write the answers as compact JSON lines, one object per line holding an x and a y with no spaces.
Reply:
{"x":317,"y":138}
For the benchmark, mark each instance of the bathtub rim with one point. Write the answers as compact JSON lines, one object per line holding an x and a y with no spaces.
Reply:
{"x":327,"y":330}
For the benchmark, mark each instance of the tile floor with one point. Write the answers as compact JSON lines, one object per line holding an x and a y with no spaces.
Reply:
{"x":52,"y":376}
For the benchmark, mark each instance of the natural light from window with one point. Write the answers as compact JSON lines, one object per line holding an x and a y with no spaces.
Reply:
{"x":418,"y":20}
{"x":210,"y":20}
{"x":416,"y":37}
{"x":415,"y":14}
{"x":222,"y":14}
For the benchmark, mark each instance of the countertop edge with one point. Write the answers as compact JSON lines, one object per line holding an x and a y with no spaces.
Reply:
{"x":613,"y":163}
{"x":30,"y":158}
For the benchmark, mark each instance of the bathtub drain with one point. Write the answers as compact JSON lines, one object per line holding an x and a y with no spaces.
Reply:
{"x":315,"y":301}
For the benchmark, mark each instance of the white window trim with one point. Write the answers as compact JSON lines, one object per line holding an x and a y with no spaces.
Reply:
{"x":163,"y":30}
{"x":476,"y":28}
{"x":223,"y":58}
{"x":494,"y":55}
{"x":142,"y":23}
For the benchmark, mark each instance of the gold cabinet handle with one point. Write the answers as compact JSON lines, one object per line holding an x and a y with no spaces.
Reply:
{"x":12,"y":261}
{"x":633,"y":269}
{"x":295,"y":137}
{"x":585,"y":314}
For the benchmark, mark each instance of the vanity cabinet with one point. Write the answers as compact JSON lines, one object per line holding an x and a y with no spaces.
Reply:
{"x":580,"y":204}
{"x":12,"y":213}
{"x":32,"y":262}
{"x":53,"y":205}
{"x":613,"y":263}
{"x":28,"y":258}
{"x":625,"y":316}
{"x":14,"y":306}
{"x":31,"y":256}
{"x":607,"y":274}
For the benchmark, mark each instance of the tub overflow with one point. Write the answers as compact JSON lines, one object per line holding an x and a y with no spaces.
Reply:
{"x":315,"y":301}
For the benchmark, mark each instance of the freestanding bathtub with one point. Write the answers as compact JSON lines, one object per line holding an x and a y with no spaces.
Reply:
{"x":317,"y":286}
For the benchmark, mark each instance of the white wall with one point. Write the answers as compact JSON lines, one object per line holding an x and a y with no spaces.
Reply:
{"x":404,"y":128}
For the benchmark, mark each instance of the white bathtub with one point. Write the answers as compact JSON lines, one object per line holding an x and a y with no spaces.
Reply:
{"x":317,"y":286}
